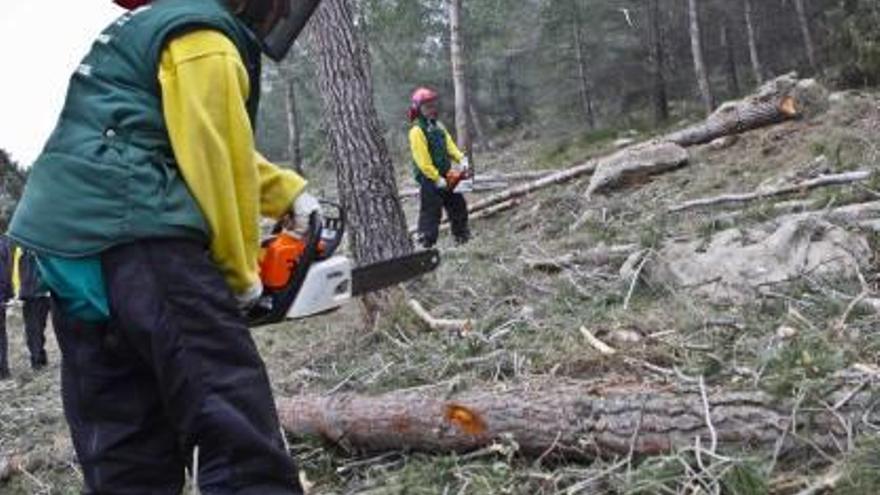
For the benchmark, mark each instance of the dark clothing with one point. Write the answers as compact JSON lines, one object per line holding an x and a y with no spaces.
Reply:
{"x":35,"y":312}
{"x":433,"y":202}
{"x":7,"y":292}
{"x":4,"y":343}
{"x":174,"y":368}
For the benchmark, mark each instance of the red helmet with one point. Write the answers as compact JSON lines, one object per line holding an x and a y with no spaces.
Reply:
{"x":131,"y":4}
{"x":419,"y":97}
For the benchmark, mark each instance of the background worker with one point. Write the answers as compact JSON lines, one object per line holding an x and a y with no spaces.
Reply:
{"x":6,"y":293}
{"x":35,"y":305}
{"x":435,"y":156}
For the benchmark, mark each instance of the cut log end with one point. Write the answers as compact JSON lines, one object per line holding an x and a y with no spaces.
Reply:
{"x":788,"y":107}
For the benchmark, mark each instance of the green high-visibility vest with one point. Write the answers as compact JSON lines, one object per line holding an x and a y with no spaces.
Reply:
{"x":108,"y":175}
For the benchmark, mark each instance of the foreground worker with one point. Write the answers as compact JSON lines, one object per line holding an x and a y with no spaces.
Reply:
{"x":439,"y":164}
{"x":143,"y":210}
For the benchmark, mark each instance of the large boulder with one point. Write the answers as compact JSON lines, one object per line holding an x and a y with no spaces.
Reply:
{"x":736,"y":264}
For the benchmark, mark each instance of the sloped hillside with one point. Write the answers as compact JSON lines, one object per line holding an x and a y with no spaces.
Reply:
{"x":729,"y":348}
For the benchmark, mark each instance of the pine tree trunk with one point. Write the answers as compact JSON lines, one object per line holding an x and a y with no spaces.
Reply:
{"x":753,"y":42}
{"x":293,"y":128}
{"x":459,"y":79}
{"x":699,"y":61}
{"x":476,"y":125}
{"x":583,"y":78}
{"x":658,"y":73}
{"x":730,"y":59}
{"x":809,"y":47}
{"x":365,"y":174}
{"x":510,"y":82}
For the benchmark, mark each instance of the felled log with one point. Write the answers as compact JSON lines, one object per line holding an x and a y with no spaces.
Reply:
{"x":481,"y":185}
{"x":636,"y":162}
{"x":488,"y":181}
{"x":778,"y":100}
{"x":734,"y":118}
{"x":530,"y":187}
{"x":581,"y":419}
{"x":807,"y":185}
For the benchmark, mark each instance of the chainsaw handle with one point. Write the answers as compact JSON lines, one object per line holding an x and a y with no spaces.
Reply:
{"x":282,"y":300}
{"x":332,"y":228}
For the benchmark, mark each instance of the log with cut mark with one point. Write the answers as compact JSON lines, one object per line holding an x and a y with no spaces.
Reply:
{"x":581,"y":419}
{"x":735,"y":118}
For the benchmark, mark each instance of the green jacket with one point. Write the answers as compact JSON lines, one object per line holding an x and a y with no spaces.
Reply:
{"x":435,"y":133}
{"x":107,"y":175}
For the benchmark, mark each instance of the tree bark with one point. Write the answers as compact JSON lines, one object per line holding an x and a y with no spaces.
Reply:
{"x":730,"y":60}
{"x":293,"y":127}
{"x":699,"y":61}
{"x":580,"y":419}
{"x":806,"y":33}
{"x":512,"y":102}
{"x":658,"y":73}
{"x":367,"y":186}
{"x":583,"y":77}
{"x":459,"y":78}
{"x":753,"y":42}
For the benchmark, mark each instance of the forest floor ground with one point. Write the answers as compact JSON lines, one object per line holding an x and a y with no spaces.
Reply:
{"x":527,"y":322}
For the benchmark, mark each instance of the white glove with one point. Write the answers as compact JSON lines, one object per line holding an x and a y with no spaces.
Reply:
{"x":250,"y":296}
{"x":440,"y":183}
{"x":303,"y":206}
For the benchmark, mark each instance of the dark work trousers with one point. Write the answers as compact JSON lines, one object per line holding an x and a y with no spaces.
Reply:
{"x":35,"y":312}
{"x":174,"y":368}
{"x":4,"y":342}
{"x":433,"y":202}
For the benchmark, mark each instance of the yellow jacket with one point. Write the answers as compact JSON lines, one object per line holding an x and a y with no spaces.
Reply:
{"x":418,"y":144}
{"x":204,"y":89}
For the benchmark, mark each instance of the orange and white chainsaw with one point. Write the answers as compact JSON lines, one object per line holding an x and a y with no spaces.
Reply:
{"x":303,"y":276}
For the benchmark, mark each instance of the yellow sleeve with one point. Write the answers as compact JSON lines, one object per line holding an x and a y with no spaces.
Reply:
{"x":452,"y":148}
{"x":16,"y":271}
{"x":418,"y":144}
{"x":204,"y":90}
{"x":278,"y":188}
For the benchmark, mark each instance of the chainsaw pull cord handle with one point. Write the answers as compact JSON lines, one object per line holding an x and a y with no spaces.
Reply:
{"x":283,"y":299}
{"x":333,"y":228}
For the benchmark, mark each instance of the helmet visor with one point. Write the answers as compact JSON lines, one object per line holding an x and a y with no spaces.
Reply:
{"x":279,"y":37}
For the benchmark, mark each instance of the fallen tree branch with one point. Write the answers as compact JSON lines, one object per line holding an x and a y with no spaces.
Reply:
{"x":821,"y":181}
{"x":439,"y":324}
{"x":581,"y":419}
{"x":597,"y":344}
{"x":598,"y":255}
{"x":827,"y":482}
